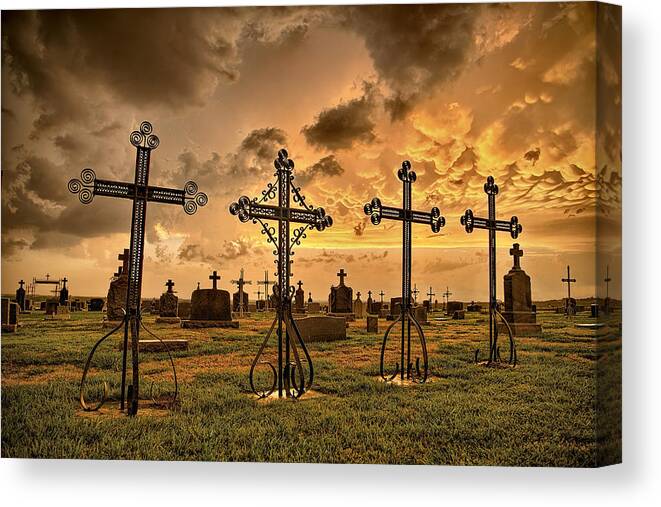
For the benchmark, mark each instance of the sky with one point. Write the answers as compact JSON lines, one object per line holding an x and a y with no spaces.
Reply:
{"x":529,"y":93}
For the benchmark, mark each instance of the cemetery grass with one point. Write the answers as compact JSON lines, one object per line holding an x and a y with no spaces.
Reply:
{"x":544,"y":412}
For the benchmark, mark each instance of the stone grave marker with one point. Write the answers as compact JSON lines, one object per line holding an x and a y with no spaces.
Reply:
{"x":358,"y":307}
{"x":340,"y":299}
{"x":168,"y":306}
{"x":64,"y":293}
{"x":210,"y":307}
{"x":95,"y":305}
{"x":453,"y":306}
{"x":458,"y":315}
{"x":372,"y":324}
{"x":299,"y":299}
{"x":116,"y":299}
{"x":9,"y":317}
{"x":322,"y":328}
{"x":20,"y":296}
{"x":518,"y":300}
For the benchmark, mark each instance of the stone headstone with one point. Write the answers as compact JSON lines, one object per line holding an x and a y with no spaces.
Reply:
{"x":458,"y":315}
{"x":322,"y":328}
{"x":183,"y":309}
{"x":210,"y":308}
{"x":358,"y":307}
{"x":420,"y":313}
{"x":395,"y":308}
{"x":56,"y":311}
{"x":473,"y":307}
{"x":168,"y":309}
{"x":369,"y":302}
{"x":594,"y":310}
{"x":340,"y":299}
{"x":376,"y":307}
{"x":453,"y":306}
{"x":372,"y":324}
{"x":314,"y":307}
{"x":518,"y":300}
{"x":64,"y":294}
{"x":42,"y":306}
{"x":299,"y":299}
{"x":236,"y":301}
{"x":95,"y":305}
{"x":20,"y":296}
{"x":9,"y":318}
{"x":427,"y":305}
{"x":51,"y":306}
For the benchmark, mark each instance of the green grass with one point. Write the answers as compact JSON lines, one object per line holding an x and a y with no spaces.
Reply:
{"x":546,"y":411}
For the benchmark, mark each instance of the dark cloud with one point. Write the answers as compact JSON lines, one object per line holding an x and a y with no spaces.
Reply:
{"x":229,"y":250}
{"x":342,"y":126}
{"x":414,"y":46}
{"x":532,"y":155}
{"x":327,"y":166}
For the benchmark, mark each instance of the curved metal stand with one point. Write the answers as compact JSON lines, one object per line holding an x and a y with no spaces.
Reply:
{"x":406,"y":317}
{"x":494,"y":349}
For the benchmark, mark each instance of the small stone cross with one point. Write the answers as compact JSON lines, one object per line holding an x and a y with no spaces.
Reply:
{"x":342,"y":274}
{"x":169,"y":285}
{"x":517,"y":253}
{"x":214,"y":277}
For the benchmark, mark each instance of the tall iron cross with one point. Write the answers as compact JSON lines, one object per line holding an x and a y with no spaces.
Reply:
{"x":139,"y":192}
{"x":170,"y":284}
{"x":240,"y":283}
{"x":289,"y":376}
{"x":470,"y":222}
{"x":382,"y":294}
{"x":447,"y":294}
{"x":376,"y":211}
{"x":415,"y":292}
{"x":431,"y":295}
{"x":569,"y":280}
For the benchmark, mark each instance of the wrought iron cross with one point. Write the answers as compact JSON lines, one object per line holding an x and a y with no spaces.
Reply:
{"x":470,"y":222}
{"x":569,"y":308}
{"x":267,"y":285}
{"x":139,"y":192}
{"x":415,"y":292}
{"x":431,"y":295}
{"x":607,"y":280}
{"x":289,"y":376}
{"x":407,"y":216}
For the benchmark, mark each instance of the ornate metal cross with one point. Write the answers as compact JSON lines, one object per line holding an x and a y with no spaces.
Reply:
{"x":139,"y":192}
{"x":446,"y":295}
{"x":569,"y":309}
{"x":431,"y":295}
{"x":407,"y":216}
{"x":415,"y":293}
{"x":289,"y":378}
{"x":470,"y":222}
{"x":240,"y":283}
{"x":170,"y":284}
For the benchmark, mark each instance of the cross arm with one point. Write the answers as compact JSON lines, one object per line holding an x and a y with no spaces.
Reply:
{"x":376,"y":211}
{"x":470,"y":222}
{"x":247,"y":209}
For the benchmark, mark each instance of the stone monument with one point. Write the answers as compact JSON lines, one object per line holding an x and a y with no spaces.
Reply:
{"x":518,"y":300}
{"x":358,"y":307}
{"x":299,"y":299}
{"x":64,"y":293}
{"x":20,"y":296}
{"x":168,"y":306}
{"x":340,"y":299}
{"x":116,"y":300}
{"x":210,"y":307}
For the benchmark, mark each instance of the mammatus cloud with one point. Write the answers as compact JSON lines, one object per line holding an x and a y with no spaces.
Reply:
{"x":345,"y":124}
{"x":327,"y":166}
{"x":229,"y":250}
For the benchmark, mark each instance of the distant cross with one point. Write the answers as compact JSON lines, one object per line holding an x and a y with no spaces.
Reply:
{"x":309,"y":297}
{"x":607,"y":280}
{"x":198,"y":285}
{"x":470,"y":222}
{"x":446,"y":295}
{"x":415,"y":292}
{"x":342,"y":275}
{"x":169,"y":284}
{"x":267,"y":284}
{"x":21,"y":283}
{"x":240,"y":283}
{"x":139,"y":192}
{"x":517,"y":253}
{"x":431,"y":294}
{"x":64,"y":281}
{"x":289,"y":375}
{"x":300,"y":284}
{"x":569,"y":280}
{"x":369,"y":293}
{"x":214,"y":277}
{"x":382,"y":294}
{"x":358,"y":294}
{"x":376,"y":211}
{"x":47,"y":276}
{"x":124,"y":257}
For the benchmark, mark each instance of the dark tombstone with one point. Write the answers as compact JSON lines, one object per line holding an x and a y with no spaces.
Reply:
{"x":594,"y":310}
{"x":139,"y":192}
{"x":168,"y":306}
{"x":473,"y":307}
{"x":322,"y":328}
{"x":426,"y":304}
{"x":95,"y":305}
{"x":369,"y":302}
{"x":51,"y":306}
{"x":42,"y":306}
{"x":28,"y":305}
{"x":490,"y":224}
{"x":372,"y":324}
{"x":376,"y":211}
{"x":395,"y":308}
{"x":210,"y":307}
{"x":116,"y":298}
{"x":340,"y":299}
{"x":299,"y":299}
{"x":310,"y":297}
{"x":420,"y":314}
{"x":453,"y":306}
{"x":458,"y":315}
{"x":518,"y":300}
{"x":184,"y":309}
{"x":289,"y":338}
{"x":9,"y":324}
{"x":64,"y":292}
{"x":20,"y":296}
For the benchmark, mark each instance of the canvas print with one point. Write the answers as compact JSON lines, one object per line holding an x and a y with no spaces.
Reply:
{"x":324,"y":234}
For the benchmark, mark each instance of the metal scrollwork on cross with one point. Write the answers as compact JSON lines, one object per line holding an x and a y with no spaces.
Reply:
{"x":376,"y":211}
{"x":471,"y":222}
{"x":289,"y":378}
{"x":140,"y":192}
